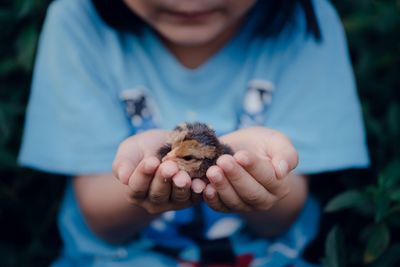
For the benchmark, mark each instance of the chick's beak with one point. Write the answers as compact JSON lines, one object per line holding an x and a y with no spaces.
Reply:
{"x":170,"y":156}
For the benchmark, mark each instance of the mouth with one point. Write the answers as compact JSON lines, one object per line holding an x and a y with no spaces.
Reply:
{"x":189,"y":17}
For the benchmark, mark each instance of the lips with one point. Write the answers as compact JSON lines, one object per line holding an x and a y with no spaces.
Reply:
{"x":190,"y":16}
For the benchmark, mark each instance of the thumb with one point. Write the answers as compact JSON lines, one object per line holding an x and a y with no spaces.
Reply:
{"x":284,"y":163}
{"x":122,"y":170}
{"x":126,"y":159}
{"x":283,"y":155}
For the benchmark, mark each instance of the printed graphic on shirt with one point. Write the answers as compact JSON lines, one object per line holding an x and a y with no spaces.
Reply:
{"x":140,"y":109}
{"x":256,"y":102}
{"x":199,"y":226}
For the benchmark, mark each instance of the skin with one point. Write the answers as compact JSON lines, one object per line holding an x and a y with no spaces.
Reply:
{"x":255,"y":182}
{"x":193,"y":30}
{"x":252,"y":182}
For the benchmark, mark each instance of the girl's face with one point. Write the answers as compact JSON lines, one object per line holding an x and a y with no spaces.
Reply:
{"x":191,"y":22}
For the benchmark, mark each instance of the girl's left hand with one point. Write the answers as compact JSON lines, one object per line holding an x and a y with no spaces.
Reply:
{"x":256,"y":177}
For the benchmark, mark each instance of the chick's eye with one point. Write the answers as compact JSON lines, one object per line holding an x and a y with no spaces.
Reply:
{"x":187,"y":158}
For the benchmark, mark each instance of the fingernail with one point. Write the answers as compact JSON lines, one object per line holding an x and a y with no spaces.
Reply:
{"x":283,"y":167}
{"x":217,"y":177}
{"x":210,"y":193}
{"x":179,"y":183}
{"x":197,"y":186}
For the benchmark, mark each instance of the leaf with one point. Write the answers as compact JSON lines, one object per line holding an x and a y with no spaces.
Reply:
{"x":23,"y":8}
{"x":377,"y":243}
{"x":391,"y":174}
{"x":26,"y":46}
{"x":394,"y":210}
{"x":393,"y":119}
{"x":390,"y":258}
{"x":335,"y":249}
{"x":382,"y":205}
{"x":7,"y":66}
{"x":8,"y":160}
{"x":395,"y":195}
{"x":348,"y":199}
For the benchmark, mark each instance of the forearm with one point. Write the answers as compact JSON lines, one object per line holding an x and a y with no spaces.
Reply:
{"x":106,"y":209}
{"x":279,"y":218}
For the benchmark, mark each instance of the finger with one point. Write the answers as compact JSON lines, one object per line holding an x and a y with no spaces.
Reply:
{"x":181,"y":187}
{"x":122,"y":170}
{"x":225,"y":191}
{"x":140,"y":181}
{"x":198,"y":186}
{"x":126,"y":162}
{"x":247,"y":187}
{"x":283,"y":154}
{"x":281,"y":166}
{"x":260,"y":168}
{"x":160,"y":187}
{"x":212,"y":199}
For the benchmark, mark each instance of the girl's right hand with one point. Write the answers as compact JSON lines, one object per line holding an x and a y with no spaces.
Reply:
{"x":155,"y":186}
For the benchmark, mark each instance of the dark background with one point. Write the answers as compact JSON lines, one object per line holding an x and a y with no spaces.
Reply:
{"x":361,"y":223}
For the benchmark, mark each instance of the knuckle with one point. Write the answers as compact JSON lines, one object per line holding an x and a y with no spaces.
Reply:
{"x":138,"y":194}
{"x":266,"y":205}
{"x":254,"y":198}
{"x":157,"y":198}
{"x":182,"y":197}
{"x":268,"y":180}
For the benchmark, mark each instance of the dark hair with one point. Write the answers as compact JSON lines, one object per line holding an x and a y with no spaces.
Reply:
{"x":278,"y":15}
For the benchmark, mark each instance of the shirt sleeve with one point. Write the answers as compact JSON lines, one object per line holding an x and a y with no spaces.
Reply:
{"x":74,"y":120}
{"x":316,"y":102}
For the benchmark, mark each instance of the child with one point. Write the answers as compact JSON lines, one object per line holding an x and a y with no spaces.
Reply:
{"x":256,"y":71}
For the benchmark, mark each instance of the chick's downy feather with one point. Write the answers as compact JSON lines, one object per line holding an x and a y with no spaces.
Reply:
{"x":194,"y":147}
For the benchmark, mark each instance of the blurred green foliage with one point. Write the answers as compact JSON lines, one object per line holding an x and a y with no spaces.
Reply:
{"x":28,"y":200}
{"x":361,"y":223}
{"x":369,"y":212}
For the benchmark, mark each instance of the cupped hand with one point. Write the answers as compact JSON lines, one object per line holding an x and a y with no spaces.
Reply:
{"x":256,"y":177}
{"x":155,"y":186}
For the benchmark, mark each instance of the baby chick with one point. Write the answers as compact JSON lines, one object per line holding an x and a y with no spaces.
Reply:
{"x":194,"y":147}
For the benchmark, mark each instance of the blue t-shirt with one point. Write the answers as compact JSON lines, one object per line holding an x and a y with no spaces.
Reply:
{"x":94,"y":86}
